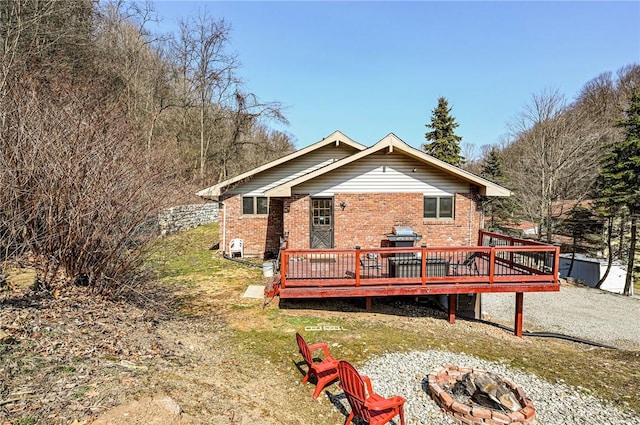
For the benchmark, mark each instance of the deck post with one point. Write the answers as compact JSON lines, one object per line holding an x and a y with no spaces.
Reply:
{"x":284,"y":263}
{"x":357,"y":248}
{"x":511,"y":243}
{"x":423,"y":264}
{"x":492,"y":265}
{"x":556,"y":265}
{"x":368,"y":303}
{"x":517,"y":328}
{"x":452,"y":308}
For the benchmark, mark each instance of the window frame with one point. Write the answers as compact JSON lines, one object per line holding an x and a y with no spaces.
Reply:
{"x":254,"y":206}
{"x":438,"y":208}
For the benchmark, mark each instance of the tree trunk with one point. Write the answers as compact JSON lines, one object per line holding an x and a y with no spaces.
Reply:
{"x":573,"y":258}
{"x":609,"y":252}
{"x":549,"y":223}
{"x":621,"y":235}
{"x":632,"y":255}
{"x":202,"y":142}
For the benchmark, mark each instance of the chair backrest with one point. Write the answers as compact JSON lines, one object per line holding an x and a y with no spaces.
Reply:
{"x":235,"y":245}
{"x":354,"y":389}
{"x":470,"y":259}
{"x":304,"y":350}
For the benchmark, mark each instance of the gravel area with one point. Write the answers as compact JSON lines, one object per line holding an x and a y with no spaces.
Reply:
{"x":555,"y":403}
{"x":576,"y":310}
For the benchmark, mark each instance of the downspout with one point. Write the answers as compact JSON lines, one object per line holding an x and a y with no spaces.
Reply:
{"x":482,"y":223}
{"x":470,"y":218}
{"x":224,"y":228}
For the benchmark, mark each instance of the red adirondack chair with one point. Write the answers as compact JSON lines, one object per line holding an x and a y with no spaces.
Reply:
{"x":371,"y":407}
{"x":325,"y":371}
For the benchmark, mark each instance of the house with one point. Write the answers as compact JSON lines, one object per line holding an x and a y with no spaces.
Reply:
{"x":337,"y":193}
{"x":562,"y":210}
{"x":524,"y":229}
{"x":378,"y":221}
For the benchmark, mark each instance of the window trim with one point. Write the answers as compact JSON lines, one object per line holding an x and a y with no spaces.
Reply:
{"x":254,"y":209}
{"x":438,"y":208}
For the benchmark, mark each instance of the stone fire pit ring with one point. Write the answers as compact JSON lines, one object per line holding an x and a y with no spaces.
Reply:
{"x":471,"y":413}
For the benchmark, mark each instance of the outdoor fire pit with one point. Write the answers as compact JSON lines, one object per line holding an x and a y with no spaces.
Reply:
{"x":477,"y":397}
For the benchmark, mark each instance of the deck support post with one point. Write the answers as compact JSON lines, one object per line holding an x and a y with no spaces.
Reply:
{"x":452,"y":308}
{"x":357,"y":248}
{"x":517,"y":327}
{"x":368,"y":303}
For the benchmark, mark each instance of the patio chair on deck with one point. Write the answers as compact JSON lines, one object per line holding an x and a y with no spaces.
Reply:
{"x":370,"y":262}
{"x":324,"y":370}
{"x":367,"y":405}
{"x":466,"y":267}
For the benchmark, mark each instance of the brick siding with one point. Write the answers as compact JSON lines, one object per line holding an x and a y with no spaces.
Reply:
{"x":368,"y":217}
{"x":260,"y":233}
{"x":364,"y":221}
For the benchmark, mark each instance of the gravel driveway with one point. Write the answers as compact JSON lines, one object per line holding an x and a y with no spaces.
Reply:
{"x":576,"y":310}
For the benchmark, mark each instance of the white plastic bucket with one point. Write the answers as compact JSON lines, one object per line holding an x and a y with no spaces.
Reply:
{"x":267,"y":269}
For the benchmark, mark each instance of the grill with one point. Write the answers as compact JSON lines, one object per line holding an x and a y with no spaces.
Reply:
{"x":402,"y":236}
{"x":405,"y":264}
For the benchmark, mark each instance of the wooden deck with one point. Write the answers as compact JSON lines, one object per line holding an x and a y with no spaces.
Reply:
{"x":498,"y":264}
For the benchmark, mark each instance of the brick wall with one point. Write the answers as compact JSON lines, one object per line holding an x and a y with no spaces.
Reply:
{"x":368,"y":217}
{"x":184,"y":217}
{"x":297,"y":221}
{"x":260,"y":233}
{"x":364,"y":221}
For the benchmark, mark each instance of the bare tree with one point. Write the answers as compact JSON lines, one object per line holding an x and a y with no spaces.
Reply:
{"x":555,"y":157}
{"x":87,"y":97}
{"x":207,"y":81}
{"x":138,"y":59}
{"x":208,"y":75}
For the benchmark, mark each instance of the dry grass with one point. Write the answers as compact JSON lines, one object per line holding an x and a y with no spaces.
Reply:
{"x":229,"y":360}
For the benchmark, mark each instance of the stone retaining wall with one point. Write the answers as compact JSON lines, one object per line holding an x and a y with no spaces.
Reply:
{"x":184,"y":217}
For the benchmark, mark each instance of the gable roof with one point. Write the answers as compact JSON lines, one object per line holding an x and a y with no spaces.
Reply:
{"x":392,"y":143}
{"x":336,"y":138}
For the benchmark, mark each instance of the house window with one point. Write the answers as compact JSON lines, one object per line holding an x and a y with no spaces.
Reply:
{"x":252,"y":205}
{"x":438,"y":207}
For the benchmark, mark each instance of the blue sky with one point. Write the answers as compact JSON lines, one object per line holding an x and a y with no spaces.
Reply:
{"x":373,"y":68}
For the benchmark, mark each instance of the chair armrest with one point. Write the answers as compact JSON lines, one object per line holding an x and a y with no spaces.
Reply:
{"x":325,"y":365}
{"x":367,"y":382}
{"x":386,"y":403}
{"x":320,"y":345}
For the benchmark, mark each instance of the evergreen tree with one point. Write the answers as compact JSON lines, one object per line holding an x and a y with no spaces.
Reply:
{"x":585,"y":229}
{"x":444,"y":143}
{"x":498,"y":208}
{"x":619,"y":179}
{"x":492,"y":167}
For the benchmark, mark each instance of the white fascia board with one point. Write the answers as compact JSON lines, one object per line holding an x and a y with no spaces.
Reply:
{"x":212,"y":192}
{"x":487,"y":188}
{"x":337,"y":137}
{"x":392,"y":143}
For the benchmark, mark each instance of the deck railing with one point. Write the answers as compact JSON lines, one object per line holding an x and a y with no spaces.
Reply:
{"x":498,"y":259}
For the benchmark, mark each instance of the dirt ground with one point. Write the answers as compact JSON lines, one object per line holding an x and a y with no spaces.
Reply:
{"x":73,"y":358}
